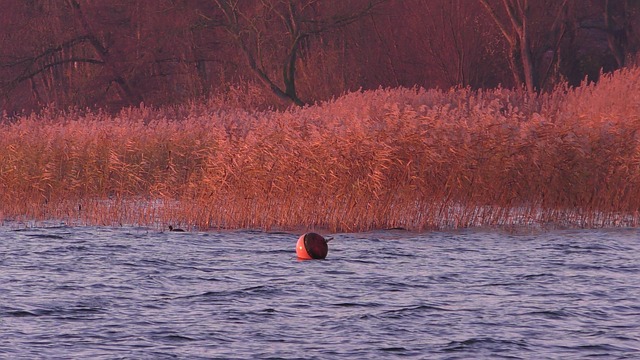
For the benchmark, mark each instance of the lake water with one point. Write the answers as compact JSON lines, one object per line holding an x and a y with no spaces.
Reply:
{"x":136,"y":293}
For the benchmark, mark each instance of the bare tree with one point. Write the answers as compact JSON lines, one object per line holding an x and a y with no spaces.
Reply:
{"x":59,"y":53}
{"x":262,"y":27}
{"x":29,"y":67}
{"x":455,"y":39}
{"x":125,"y":90}
{"x":619,"y":17}
{"x":515,"y":20}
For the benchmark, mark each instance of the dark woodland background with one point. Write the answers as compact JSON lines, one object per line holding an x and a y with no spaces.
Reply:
{"x":113,"y":53}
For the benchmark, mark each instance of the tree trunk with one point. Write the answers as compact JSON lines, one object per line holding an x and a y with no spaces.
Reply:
{"x":615,"y":45}
{"x":525,"y":51}
{"x":289,"y":73}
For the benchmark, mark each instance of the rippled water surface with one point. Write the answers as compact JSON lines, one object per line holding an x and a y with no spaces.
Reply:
{"x":107,"y":293}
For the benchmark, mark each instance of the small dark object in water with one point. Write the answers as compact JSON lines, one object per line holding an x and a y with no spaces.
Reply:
{"x":171,"y":228}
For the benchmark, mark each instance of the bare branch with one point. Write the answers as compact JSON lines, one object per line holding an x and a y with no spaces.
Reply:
{"x":27,"y":75}
{"x":501,"y":26}
{"x":31,"y":60}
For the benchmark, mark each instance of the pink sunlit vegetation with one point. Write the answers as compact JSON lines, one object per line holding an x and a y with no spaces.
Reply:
{"x":411,"y":158}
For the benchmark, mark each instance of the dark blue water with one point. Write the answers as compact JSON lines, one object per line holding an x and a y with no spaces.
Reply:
{"x":134,"y":293}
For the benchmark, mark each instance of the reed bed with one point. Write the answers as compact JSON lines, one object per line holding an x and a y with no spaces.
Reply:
{"x":410,"y":158}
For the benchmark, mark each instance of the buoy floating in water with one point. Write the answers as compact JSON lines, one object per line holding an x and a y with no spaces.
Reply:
{"x":311,"y":246}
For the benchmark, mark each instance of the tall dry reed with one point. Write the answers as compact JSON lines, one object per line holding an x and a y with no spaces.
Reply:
{"x":411,"y":158}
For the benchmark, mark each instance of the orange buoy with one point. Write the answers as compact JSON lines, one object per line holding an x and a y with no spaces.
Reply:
{"x":311,"y":246}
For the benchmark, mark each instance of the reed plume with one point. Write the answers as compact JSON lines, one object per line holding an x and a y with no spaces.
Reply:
{"x":411,"y":158}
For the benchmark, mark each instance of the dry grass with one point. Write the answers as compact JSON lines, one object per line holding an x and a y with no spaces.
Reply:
{"x":411,"y":158}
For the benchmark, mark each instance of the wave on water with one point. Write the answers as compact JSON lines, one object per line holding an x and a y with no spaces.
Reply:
{"x":95,"y":292}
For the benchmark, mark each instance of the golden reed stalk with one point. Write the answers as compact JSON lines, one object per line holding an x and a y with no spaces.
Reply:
{"x":411,"y":158}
